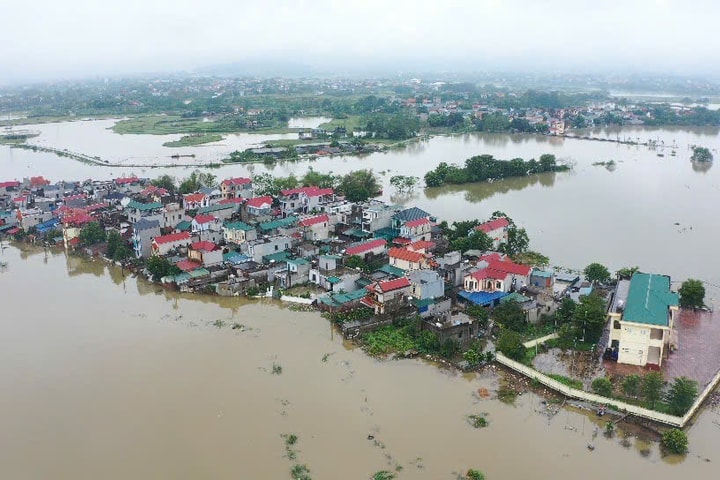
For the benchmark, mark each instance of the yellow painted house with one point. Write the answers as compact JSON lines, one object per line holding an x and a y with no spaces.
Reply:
{"x":641,"y":328}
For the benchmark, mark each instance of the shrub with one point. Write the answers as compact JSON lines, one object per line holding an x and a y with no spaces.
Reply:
{"x":510,"y":344}
{"x":602,"y":386}
{"x":675,"y":441}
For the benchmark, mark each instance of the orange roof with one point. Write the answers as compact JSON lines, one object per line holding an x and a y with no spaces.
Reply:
{"x":236,"y":181}
{"x":422,"y":245}
{"x":205,"y":245}
{"x":407,"y":255}
{"x":173,"y":237}
{"x":194,"y":197}
{"x":204,"y":218}
{"x":390,"y":285}
{"x":365,"y":246}
{"x":315,"y":220}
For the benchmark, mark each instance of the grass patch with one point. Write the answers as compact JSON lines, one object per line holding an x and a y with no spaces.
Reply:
{"x":506,"y":395}
{"x":350,"y":122}
{"x":388,"y":339}
{"x":194,"y":139}
{"x":570,"y":382}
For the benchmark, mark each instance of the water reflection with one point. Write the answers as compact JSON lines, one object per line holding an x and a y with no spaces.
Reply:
{"x":477,"y":192}
{"x":701,"y":167}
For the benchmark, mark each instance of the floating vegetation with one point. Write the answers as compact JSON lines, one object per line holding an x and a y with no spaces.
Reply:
{"x":478,"y":421}
{"x":506,"y":394}
{"x":276,"y":368}
{"x":290,"y":441}
{"x":218,"y":323}
{"x":383,"y":475}
{"x":300,"y":472}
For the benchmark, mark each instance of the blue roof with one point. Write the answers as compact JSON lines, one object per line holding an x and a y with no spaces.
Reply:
{"x":235,"y":258}
{"x":482,"y":298}
{"x":48,"y":225}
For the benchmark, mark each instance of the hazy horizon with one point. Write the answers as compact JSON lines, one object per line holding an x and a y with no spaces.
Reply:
{"x":73,"y":39}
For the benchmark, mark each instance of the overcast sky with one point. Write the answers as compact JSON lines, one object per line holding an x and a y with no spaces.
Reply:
{"x":48,"y":39}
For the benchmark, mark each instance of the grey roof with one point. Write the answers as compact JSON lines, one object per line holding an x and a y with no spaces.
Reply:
{"x":410,"y":214}
{"x":145,"y":224}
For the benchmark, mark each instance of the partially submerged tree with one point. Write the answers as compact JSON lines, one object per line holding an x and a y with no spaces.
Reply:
{"x":675,"y":441}
{"x":91,"y":234}
{"x":682,"y":394}
{"x":359,"y":185}
{"x":701,"y":154}
{"x":692,"y":294}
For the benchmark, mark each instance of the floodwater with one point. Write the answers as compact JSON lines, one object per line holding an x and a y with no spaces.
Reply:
{"x":648,"y":210}
{"x":109,"y":377}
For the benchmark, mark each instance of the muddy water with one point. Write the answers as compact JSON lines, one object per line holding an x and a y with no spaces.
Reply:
{"x":108,"y":377}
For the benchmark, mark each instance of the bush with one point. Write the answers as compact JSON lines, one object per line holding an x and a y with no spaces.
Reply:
{"x":511,"y":345}
{"x":631,"y":385}
{"x":682,"y":395}
{"x":474,"y":475}
{"x":602,"y":386}
{"x":675,"y":441}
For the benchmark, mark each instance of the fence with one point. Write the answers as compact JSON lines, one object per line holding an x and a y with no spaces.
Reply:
{"x":591,"y":397}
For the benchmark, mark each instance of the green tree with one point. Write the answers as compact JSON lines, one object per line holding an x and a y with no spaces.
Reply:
{"x":160,"y":267}
{"x":517,"y":242}
{"x":91,"y":234}
{"x":473,"y":474}
{"x":359,"y":185}
{"x":682,"y":394}
{"x":479,"y":314}
{"x":322,"y":180}
{"x":652,"y":387}
{"x":675,"y":441}
{"x":589,"y":317}
{"x":198,"y":180}
{"x":602,"y":386}
{"x":165,"y":181}
{"x":626,"y":273}
{"x":114,"y":241}
{"x":701,"y":154}
{"x":511,"y":345}
{"x":354,"y":261}
{"x":631,"y":385}
{"x":403,"y":184}
{"x":596,"y":272}
{"x":510,"y":315}
{"x":473,"y":357}
{"x":449,"y":348}
{"x":565,"y":312}
{"x":692,"y":294}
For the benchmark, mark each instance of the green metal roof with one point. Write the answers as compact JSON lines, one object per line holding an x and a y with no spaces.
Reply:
{"x":357,"y":233}
{"x":541,"y":273}
{"x":144,"y":206}
{"x":363,"y":282}
{"x":333,"y":280}
{"x":331,"y":257}
{"x":648,"y":299}
{"x":183,"y":226}
{"x":279,"y":223}
{"x":215,"y":208}
{"x":392,"y":270}
{"x":298,"y":261}
{"x":239,"y":226}
{"x":514,"y":296}
{"x":422,"y":302}
{"x":340,"y":299}
{"x":277,"y":256}
{"x":199,"y":272}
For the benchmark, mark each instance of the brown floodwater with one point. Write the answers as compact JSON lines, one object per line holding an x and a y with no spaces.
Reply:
{"x":105,"y":376}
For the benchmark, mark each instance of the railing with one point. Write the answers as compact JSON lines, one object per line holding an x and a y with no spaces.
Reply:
{"x":591,"y":397}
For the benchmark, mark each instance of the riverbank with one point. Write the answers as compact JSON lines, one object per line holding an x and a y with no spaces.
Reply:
{"x":194,"y":139}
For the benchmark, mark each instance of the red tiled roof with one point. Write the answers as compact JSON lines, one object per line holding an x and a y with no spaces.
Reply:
{"x":422,"y":245}
{"x":365,"y":246}
{"x":9,"y":184}
{"x":510,"y":267}
{"x":491,"y":225}
{"x":390,"y":285}
{"x":204,"y":218}
{"x":78,"y":219}
{"x":236,"y":181}
{"x":19,"y":199}
{"x":309,"y":191}
{"x":187,"y":265}
{"x":205,"y":245}
{"x":126,"y":180}
{"x":173,"y":237}
{"x":39,"y":181}
{"x":259,"y":202}
{"x":194,"y":197}
{"x":401,"y":241}
{"x":227,"y":201}
{"x":489,"y":273}
{"x":314,"y":220}
{"x":96,"y":206}
{"x":407,"y":255}
{"x":78,"y":196}
{"x":417,"y":223}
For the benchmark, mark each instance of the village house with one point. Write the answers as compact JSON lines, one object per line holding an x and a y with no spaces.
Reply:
{"x":279,"y":226}
{"x":407,"y":259}
{"x":316,"y":228}
{"x":258,"y":206}
{"x":296,"y":273}
{"x":172,"y":215}
{"x":387,"y":296}
{"x":642,"y":319}
{"x":375,"y":215}
{"x":261,"y":247}
{"x":150,"y":211}
{"x":496,"y":229}
{"x":213,"y":194}
{"x":457,"y":327}
{"x":129,"y":185}
{"x":143,"y":233}
{"x":305,"y":199}
{"x":236,"y":187}
{"x":238,"y":232}
{"x":376,"y":246}
{"x":163,"y":244}
{"x":207,"y":227}
{"x":193,"y":201}
{"x":426,"y":284}
{"x":414,"y":230}
{"x":223,"y":211}
{"x":206,"y":253}
{"x":496,"y":274}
